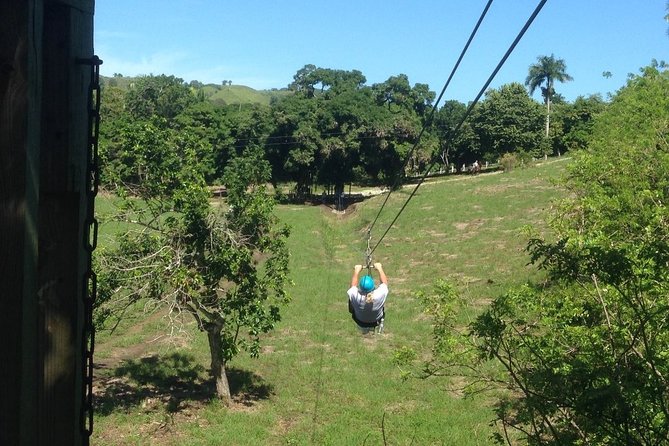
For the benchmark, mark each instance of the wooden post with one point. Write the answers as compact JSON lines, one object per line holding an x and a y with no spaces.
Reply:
{"x":43,"y":146}
{"x":19,"y":154}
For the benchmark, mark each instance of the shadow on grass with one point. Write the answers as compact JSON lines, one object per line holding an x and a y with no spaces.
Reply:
{"x":174,"y":381}
{"x":247,"y":388}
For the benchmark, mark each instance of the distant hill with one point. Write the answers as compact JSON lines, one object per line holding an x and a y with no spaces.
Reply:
{"x":117,"y":81}
{"x":218,"y":94}
{"x":240,"y":94}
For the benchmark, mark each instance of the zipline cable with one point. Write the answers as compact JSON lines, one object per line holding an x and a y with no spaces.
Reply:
{"x":430,"y":118}
{"x":467,"y":113}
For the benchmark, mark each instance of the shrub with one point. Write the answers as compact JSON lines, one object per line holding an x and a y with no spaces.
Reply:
{"x":508,"y":161}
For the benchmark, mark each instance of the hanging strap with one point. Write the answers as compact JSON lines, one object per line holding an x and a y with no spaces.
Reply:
{"x":368,"y":252}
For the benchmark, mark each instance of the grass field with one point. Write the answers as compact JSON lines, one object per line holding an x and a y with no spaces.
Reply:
{"x":318,"y":381}
{"x":240,"y":94}
{"x":218,"y":94}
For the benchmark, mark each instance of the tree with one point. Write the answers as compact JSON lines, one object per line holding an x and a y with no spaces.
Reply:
{"x":506,"y":121}
{"x":228,"y":269}
{"x":401,"y":118}
{"x":396,"y":93}
{"x":572,"y":123}
{"x":113,"y":118}
{"x":163,"y":96}
{"x":335,"y":129}
{"x":293,"y":142}
{"x":546,"y":71}
{"x":209,"y":125}
{"x":583,"y":357}
{"x":304,"y":80}
{"x":599,"y":332}
{"x":445,"y":122}
{"x":129,"y":153}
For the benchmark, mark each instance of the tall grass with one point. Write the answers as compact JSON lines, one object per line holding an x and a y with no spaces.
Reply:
{"x":318,"y":381}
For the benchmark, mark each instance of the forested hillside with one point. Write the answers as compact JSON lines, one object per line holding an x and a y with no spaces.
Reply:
{"x":329,"y":128}
{"x":225,"y":93}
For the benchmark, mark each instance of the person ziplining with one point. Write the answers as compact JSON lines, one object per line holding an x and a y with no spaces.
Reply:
{"x":366,"y":302}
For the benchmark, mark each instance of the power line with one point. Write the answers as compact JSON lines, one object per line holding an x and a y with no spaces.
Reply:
{"x":295,"y":142}
{"x":284,"y":139}
{"x":430,"y":118}
{"x":466,"y":115}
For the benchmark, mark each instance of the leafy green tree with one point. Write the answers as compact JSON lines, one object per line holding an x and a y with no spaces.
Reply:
{"x":112,"y":103}
{"x":130,"y":158}
{"x":342,"y":116}
{"x":452,"y":145}
{"x":162,"y":96}
{"x":249,"y":126}
{"x":113,"y":117}
{"x":212,"y":127}
{"x":304,"y":81}
{"x":138,"y":124}
{"x":335,"y":128}
{"x":396,"y":93}
{"x":294,"y":141}
{"x":506,"y":121}
{"x":342,"y":80}
{"x":546,"y":71}
{"x":308,"y":79}
{"x":575,"y":122}
{"x":398,"y":128}
{"x":227,"y":267}
{"x":583,"y":357}
{"x":591,"y":348}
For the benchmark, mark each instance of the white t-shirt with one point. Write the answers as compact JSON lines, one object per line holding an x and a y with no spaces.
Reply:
{"x":368,"y":312}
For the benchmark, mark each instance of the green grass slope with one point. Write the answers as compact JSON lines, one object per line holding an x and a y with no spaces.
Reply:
{"x":217,"y":94}
{"x":240,"y":94}
{"x":318,"y":381}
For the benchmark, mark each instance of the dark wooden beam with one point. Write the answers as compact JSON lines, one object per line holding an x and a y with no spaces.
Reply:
{"x":43,"y":145}
{"x":62,"y":211}
{"x":20,"y":93}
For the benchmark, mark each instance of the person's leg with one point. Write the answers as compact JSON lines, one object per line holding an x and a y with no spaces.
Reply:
{"x":365,"y":330}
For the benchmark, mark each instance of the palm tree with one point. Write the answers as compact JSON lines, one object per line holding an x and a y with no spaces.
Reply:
{"x":547,"y":70}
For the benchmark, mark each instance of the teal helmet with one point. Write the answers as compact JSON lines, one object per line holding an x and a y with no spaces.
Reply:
{"x":366,"y":284}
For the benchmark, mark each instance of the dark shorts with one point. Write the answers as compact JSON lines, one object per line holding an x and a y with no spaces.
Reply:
{"x":362,"y":323}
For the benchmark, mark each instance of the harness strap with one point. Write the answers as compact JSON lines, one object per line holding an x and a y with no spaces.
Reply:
{"x":368,"y":252}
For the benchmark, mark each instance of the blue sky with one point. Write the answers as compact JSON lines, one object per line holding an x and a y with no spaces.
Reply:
{"x":262,"y":44}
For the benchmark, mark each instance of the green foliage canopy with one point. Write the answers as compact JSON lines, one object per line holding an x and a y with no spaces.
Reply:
{"x":227,"y":268}
{"x":329,"y":128}
{"x":507,"y":121}
{"x":582,"y":358}
{"x":588,"y":356}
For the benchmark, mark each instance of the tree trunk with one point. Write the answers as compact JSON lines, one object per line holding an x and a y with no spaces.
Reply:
{"x":548,"y":114}
{"x":218,"y":363}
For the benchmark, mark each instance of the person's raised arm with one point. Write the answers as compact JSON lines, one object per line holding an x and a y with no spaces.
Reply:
{"x":356,"y":273}
{"x":382,"y":275}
